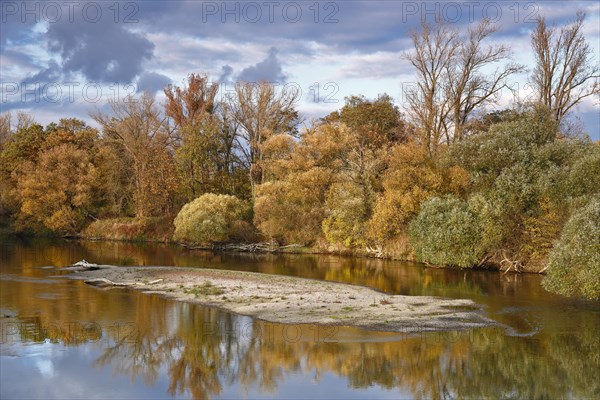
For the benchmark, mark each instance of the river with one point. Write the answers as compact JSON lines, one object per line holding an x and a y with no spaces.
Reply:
{"x":63,"y":339}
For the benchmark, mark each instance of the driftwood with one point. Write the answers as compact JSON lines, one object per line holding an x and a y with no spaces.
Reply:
{"x":376,"y":251}
{"x":251,"y":247}
{"x":83,"y":266}
{"x":262,"y":247}
{"x":291,"y":246}
{"x":484,"y":260}
{"x":516,"y":264}
{"x":103,"y":282}
{"x":99,"y":282}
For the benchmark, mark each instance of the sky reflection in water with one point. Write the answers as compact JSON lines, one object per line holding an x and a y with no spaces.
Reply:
{"x":64,"y":339}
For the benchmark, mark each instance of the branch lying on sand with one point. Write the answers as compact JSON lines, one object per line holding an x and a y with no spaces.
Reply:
{"x":103,"y":282}
{"x":285,"y":299}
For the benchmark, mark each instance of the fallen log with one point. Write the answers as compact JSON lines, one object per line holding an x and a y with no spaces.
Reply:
{"x":99,"y":282}
{"x":83,"y":265}
{"x":103,"y":282}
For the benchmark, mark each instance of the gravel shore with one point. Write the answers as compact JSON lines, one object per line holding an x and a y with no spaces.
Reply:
{"x":293,"y":300}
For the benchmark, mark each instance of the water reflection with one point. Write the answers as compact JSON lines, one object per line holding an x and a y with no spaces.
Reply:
{"x":183,"y":350}
{"x":389,"y":276}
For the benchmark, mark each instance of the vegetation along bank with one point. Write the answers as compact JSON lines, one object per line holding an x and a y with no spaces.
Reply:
{"x":449,"y":179}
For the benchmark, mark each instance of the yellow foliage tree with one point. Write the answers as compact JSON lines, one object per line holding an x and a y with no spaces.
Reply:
{"x":58,"y":192}
{"x":412,"y":177}
{"x":290,"y":205}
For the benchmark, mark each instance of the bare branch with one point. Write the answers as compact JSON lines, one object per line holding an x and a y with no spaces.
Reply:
{"x":565,"y":72}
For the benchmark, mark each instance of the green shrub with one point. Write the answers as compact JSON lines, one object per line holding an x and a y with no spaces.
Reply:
{"x":525,"y":179}
{"x":447,"y":232}
{"x":211,"y":218}
{"x":506,"y":145}
{"x":574,"y":263}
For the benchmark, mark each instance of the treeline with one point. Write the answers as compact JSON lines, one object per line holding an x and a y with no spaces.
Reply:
{"x":441,"y":181}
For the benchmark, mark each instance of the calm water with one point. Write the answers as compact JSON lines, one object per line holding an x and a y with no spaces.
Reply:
{"x":63,"y":339}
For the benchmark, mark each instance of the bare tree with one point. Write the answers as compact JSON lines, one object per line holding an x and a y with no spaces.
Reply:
{"x":134,"y":122}
{"x":451,"y":84}
{"x":565,"y":72}
{"x":435,"y":48}
{"x":468,"y":87}
{"x":24,"y":120}
{"x":260,"y":111}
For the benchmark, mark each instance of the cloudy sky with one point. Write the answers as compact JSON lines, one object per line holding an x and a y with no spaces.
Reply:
{"x":61,"y":58}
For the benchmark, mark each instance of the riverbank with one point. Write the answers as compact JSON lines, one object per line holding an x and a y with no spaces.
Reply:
{"x":160,"y":230}
{"x":284,"y":299}
{"x":273,"y":248}
{"x":156,"y":231}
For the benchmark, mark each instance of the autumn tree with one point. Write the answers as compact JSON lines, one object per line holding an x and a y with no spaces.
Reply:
{"x":137,"y":127}
{"x":565,"y":72}
{"x":118,"y":185}
{"x":211,"y":218}
{"x":291,"y":204}
{"x":203,"y":152}
{"x":58,"y":192}
{"x":329,"y":178}
{"x":5,"y":133}
{"x":190,"y":106}
{"x":61,"y":188}
{"x":379,"y":121}
{"x":5,"y":128}
{"x":412,"y":177}
{"x":21,"y":146}
{"x":372,"y":128}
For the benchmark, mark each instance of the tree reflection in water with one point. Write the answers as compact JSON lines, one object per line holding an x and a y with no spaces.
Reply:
{"x":206,"y":350}
{"x":209,"y":349}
